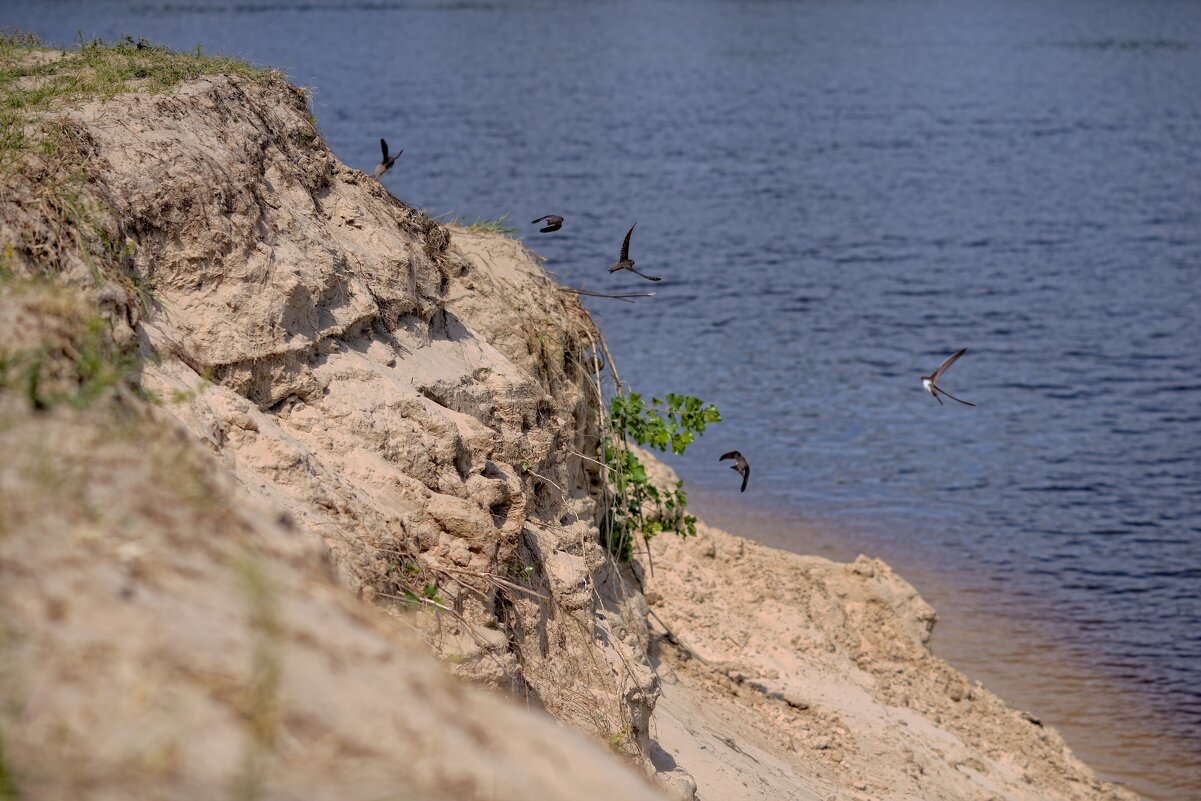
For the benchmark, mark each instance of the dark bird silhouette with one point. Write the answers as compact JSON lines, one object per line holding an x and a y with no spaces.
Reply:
{"x":626,"y":263}
{"x":387,"y":161}
{"x":553,"y":223}
{"x":739,"y":465}
{"x":930,"y":382}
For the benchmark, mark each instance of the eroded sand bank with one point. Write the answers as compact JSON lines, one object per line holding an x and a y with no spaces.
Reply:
{"x":351,"y":395}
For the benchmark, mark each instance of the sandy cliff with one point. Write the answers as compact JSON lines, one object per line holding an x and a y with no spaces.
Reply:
{"x":414,"y":397}
{"x":316,"y":409}
{"x":326,"y":346}
{"x":165,"y":636}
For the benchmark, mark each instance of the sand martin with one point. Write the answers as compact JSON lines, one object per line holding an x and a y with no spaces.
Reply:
{"x":387,"y":162}
{"x":739,"y":465}
{"x":553,"y":223}
{"x":626,"y":263}
{"x":930,"y":382}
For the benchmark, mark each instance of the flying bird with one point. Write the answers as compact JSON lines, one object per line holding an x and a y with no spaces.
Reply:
{"x":739,"y":466}
{"x":626,"y":263}
{"x":387,"y":161}
{"x":553,"y":223}
{"x":930,"y":382}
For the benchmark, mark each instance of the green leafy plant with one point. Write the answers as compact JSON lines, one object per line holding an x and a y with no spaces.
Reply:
{"x":637,"y":507}
{"x":617,"y":738}
{"x":428,"y":592}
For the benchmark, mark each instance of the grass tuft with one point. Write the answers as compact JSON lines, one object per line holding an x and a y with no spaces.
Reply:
{"x":480,"y":225}
{"x":35,"y":78}
{"x":31,"y":73}
{"x":260,"y":704}
{"x":61,"y":232}
{"x":8,"y":783}
{"x":70,"y":357}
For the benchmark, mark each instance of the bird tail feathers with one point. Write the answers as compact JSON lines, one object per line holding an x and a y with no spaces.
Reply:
{"x":957,"y":400}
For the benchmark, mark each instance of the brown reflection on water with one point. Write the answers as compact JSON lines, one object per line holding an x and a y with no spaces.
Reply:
{"x":985,"y":638}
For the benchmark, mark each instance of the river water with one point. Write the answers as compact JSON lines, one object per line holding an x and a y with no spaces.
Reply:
{"x":838,"y":195}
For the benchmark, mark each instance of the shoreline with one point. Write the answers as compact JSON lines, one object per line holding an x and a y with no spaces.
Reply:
{"x":383,"y":454}
{"x":1029,"y":670}
{"x":793,"y":676}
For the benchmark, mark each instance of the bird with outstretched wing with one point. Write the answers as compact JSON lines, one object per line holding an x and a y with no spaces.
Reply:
{"x":930,"y":382}
{"x":626,"y":263}
{"x":740,"y":465}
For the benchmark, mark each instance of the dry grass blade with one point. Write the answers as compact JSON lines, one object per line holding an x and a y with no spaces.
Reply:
{"x":623,"y":296}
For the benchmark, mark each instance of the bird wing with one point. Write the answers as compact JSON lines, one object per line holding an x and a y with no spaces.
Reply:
{"x":625,"y":246}
{"x":540,"y":219}
{"x":942,"y":368}
{"x":746,"y":474}
{"x":740,"y":462}
{"x":383,"y":147}
{"x":644,"y":275}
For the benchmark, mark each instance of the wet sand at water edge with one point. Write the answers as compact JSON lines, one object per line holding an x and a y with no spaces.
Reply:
{"x":989,"y":637}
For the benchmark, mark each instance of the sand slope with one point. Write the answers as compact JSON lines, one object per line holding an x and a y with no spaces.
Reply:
{"x":414,"y":395}
{"x":795,"y":677}
{"x":166,"y":637}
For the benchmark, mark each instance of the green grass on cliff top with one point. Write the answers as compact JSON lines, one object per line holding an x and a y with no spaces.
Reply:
{"x":32,"y":75}
{"x":34,"y":78}
{"x":479,"y":225}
